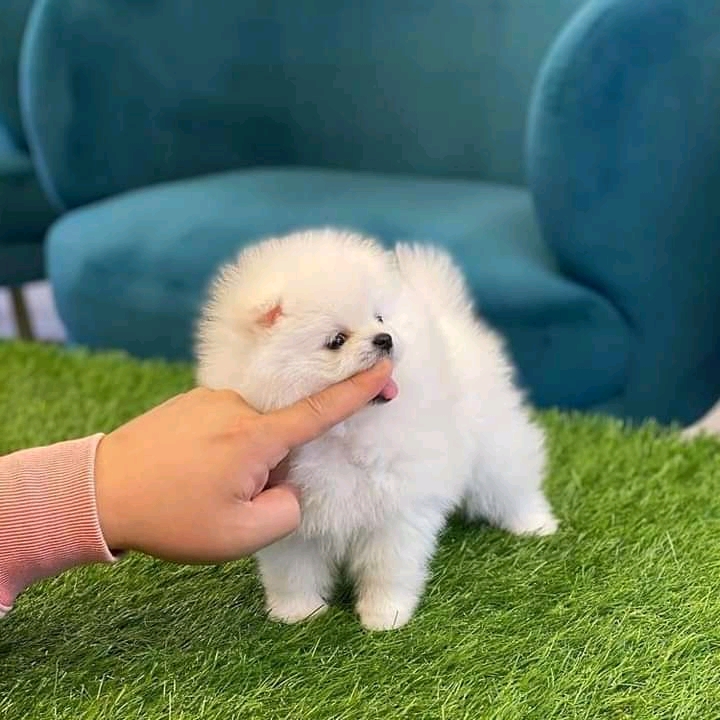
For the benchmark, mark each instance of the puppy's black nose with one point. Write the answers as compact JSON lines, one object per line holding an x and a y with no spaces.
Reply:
{"x":383,"y":341}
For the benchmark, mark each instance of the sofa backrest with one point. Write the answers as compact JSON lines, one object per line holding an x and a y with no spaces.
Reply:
{"x":13,"y":17}
{"x":122,"y":93}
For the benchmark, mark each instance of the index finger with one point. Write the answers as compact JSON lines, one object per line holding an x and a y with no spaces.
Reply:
{"x":309,"y":418}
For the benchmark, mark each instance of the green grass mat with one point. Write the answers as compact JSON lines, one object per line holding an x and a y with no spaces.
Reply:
{"x":617,"y":616}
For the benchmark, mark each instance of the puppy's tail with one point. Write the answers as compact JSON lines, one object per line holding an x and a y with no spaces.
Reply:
{"x":433,"y":274}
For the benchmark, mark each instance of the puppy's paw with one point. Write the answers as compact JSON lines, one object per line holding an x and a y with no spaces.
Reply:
{"x":537,"y":522}
{"x":294,"y":608}
{"x":694,"y":431}
{"x":379,"y":612}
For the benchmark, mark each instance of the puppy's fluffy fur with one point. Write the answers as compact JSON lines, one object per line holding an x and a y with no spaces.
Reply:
{"x":378,"y":488}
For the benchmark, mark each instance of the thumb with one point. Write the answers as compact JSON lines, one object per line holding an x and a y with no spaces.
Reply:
{"x":311,"y":417}
{"x":270,"y":516}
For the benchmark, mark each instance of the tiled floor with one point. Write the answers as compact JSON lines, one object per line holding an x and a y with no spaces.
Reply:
{"x":41,"y":307}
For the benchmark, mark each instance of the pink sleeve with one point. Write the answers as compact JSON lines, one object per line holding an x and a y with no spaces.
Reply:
{"x":48,"y":517}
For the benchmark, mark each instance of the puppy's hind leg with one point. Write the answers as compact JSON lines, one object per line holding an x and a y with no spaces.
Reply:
{"x":506,"y":487}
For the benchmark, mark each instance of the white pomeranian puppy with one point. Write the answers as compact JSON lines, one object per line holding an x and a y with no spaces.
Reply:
{"x":451,"y":431}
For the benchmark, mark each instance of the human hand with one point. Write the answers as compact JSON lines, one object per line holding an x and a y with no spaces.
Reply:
{"x":188,"y":480}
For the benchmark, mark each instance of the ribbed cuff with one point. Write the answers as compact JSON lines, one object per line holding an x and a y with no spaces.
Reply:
{"x":48,"y":514}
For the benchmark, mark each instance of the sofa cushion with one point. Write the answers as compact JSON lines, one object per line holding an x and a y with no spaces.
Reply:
{"x":130,"y":272}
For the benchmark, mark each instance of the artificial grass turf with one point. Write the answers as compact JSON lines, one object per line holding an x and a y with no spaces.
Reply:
{"x":617,"y":616}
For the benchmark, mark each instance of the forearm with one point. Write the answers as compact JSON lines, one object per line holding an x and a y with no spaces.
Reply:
{"x":48,"y":514}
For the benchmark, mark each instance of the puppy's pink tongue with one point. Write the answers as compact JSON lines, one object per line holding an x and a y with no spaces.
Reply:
{"x":389,"y":390}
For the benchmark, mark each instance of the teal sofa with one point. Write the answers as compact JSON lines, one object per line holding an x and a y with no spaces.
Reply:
{"x":25,"y":212}
{"x":566,"y":152}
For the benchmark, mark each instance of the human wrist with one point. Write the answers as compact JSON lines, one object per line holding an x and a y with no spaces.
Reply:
{"x":111,"y":509}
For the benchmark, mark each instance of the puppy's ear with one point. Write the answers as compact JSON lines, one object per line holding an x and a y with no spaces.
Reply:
{"x":265,"y":316}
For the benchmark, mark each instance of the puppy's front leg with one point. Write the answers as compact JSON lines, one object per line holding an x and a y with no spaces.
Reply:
{"x":389,"y":566}
{"x":297,"y":578}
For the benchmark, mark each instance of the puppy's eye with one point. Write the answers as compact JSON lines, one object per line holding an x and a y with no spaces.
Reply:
{"x":337,"y":341}
{"x":379,"y":318}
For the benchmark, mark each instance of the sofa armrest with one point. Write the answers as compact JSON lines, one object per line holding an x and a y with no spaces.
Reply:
{"x":623,"y":153}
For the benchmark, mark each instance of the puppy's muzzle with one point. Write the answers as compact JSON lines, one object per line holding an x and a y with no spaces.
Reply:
{"x":383,"y":342}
